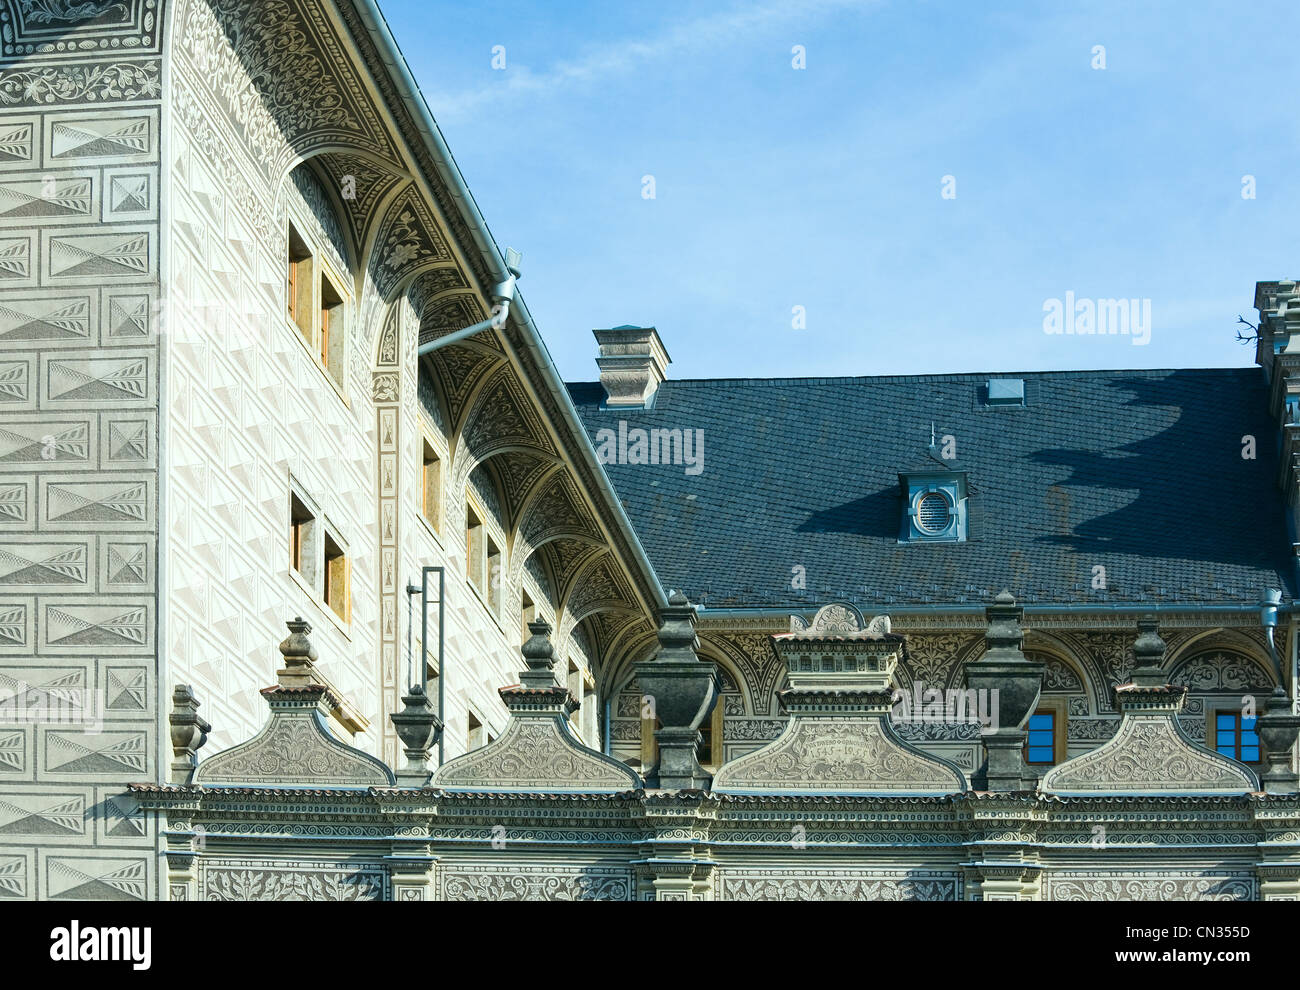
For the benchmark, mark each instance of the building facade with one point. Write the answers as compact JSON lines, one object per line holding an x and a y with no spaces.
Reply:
{"x":232,"y":244}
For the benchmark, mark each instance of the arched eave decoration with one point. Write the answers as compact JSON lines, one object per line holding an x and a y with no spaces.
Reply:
{"x":287,"y":80}
{"x":515,"y":472}
{"x":598,"y":586}
{"x":553,"y":510}
{"x":565,"y":559}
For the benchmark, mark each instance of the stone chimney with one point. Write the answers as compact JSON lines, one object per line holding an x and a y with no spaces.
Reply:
{"x":632,"y":363}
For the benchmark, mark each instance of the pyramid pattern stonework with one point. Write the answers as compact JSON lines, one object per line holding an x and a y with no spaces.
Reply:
{"x":15,"y":258}
{"x":23,"y":564}
{"x":98,"y":502}
{"x":16,"y":142}
{"x":44,"y":442}
{"x":14,"y":501}
{"x":42,"y":814}
{"x":44,"y":319}
{"x":83,"y":879}
{"x":96,"y":625}
{"x":14,"y":381}
{"x":112,"y":753}
{"x":25,"y":200}
{"x":98,"y":380}
{"x":99,"y":139}
{"x":92,"y":256}
{"x":79,"y":372}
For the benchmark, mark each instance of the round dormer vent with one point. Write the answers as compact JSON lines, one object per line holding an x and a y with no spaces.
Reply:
{"x":933,"y":513}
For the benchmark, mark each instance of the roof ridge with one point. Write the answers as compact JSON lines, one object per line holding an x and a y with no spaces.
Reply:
{"x":948,"y":376}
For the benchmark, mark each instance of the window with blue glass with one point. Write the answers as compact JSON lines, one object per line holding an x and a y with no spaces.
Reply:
{"x":1235,"y":736}
{"x":1040,"y":747}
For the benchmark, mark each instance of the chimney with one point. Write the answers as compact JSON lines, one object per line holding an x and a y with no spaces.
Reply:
{"x":632,"y":363}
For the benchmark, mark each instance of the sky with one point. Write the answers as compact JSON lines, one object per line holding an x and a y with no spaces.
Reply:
{"x":921,"y":190}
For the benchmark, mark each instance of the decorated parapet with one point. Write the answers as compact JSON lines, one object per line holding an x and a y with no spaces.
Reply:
{"x":295,"y":747}
{"x":839,"y":739}
{"x":1149,"y":754}
{"x":538,"y":750}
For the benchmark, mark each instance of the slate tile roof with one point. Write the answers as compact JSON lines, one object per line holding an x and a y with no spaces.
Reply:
{"x":1140,"y":472}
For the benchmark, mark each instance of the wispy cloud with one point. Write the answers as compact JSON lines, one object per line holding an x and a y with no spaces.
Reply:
{"x":610,"y":60}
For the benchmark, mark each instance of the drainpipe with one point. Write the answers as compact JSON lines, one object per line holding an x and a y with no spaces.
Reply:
{"x":502,"y":296}
{"x":1268,"y":610}
{"x":448,"y":171}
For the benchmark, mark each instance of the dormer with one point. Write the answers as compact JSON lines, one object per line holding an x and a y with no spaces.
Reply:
{"x":934,"y":506}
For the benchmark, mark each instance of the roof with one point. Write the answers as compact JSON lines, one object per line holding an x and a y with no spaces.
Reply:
{"x":1140,"y":472}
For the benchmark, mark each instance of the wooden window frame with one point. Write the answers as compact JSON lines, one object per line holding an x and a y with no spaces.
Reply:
{"x":301,"y":265}
{"x":430,"y":488}
{"x":1212,"y":734}
{"x":1058,"y":708}
{"x":331,"y":344}
{"x":318,"y":306}
{"x":473,"y":723}
{"x":303,"y":519}
{"x":493,"y":575}
{"x":475,"y":547}
{"x":527,"y":613}
{"x":337,"y":579}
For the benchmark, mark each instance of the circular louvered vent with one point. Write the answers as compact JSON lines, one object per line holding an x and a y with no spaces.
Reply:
{"x":932,"y":513}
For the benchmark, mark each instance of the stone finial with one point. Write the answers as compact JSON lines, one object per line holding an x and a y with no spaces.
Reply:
{"x":1278,"y":730}
{"x":539,"y":655}
{"x":1015,"y":683}
{"x":299,"y":655}
{"x":1149,"y":652}
{"x":419,"y":728}
{"x":681,"y":690}
{"x":189,"y":731}
{"x":1004,"y":635}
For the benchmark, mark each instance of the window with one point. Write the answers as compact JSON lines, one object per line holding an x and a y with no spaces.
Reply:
{"x":332,"y":334}
{"x":338,"y":574}
{"x":494,"y":577}
{"x":1235,"y":736}
{"x":529,"y":614}
{"x":935,"y":506}
{"x":589,"y":724}
{"x":574,"y":684}
{"x":431,"y":486}
{"x":316,"y":305}
{"x":475,"y":737}
{"x":301,"y":528}
{"x":475,"y":544}
{"x":300,"y":284}
{"x":708,"y":751}
{"x":1040,"y":746}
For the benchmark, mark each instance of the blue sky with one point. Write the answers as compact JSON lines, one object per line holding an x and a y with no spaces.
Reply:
{"x":821,"y":187}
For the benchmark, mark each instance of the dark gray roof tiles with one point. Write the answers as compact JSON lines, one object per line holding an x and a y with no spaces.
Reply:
{"x":1140,"y":472}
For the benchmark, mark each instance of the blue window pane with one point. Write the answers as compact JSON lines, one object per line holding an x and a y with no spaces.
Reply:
{"x":1040,"y":722}
{"x":1247,"y":723}
{"x":1226,"y":722}
{"x":1228,"y":739}
{"x":1228,"y":751}
{"x":1250,"y":754}
{"x":1040,"y":754}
